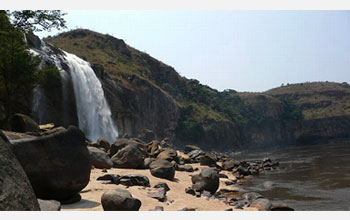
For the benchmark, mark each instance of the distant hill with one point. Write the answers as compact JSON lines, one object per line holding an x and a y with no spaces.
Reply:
{"x":146,"y":94}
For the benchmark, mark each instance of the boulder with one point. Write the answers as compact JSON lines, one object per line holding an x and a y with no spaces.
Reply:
{"x":194,"y":155}
{"x":146,"y":162}
{"x":162,"y":169}
{"x":243,"y":171}
{"x":162,"y":185}
{"x":22,"y":123}
{"x":169,"y":155}
{"x":103,"y":143}
{"x":207,"y":179}
{"x":190,"y":148}
{"x":153,"y":148}
{"x":190,"y":191}
{"x":128,"y":157}
{"x":186,"y":168}
{"x":58,"y":165}
{"x":119,"y":200}
{"x":230,"y":164}
{"x":49,"y":205}
{"x":115,"y":179}
{"x":262,"y":204}
{"x":160,"y":194}
{"x":120,"y":143}
{"x":134,"y":180}
{"x":99,"y":158}
{"x":183,"y":157}
{"x":16,"y":192}
{"x":207,"y":160}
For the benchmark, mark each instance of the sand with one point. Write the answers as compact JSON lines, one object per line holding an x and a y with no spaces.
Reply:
{"x":176,"y":198}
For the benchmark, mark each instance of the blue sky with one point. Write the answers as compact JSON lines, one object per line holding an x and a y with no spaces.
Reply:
{"x":241,"y":50}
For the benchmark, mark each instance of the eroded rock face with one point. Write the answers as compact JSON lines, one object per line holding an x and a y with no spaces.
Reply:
{"x":16,"y":192}
{"x":162,"y":169}
{"x":58,"y":165}
{"x":207,"y":179}
{"x":119,"y":200}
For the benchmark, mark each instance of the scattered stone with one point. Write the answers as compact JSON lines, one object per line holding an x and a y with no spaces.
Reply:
{"x":207,"y":160}
{"x":206,"y":194}
{"x":16,"y":192}
{"x":207,"y":179}
{"x":190,"y":148}
{"x":162,"y":169}
{"x":230,"y":209}
{"x":157,"y":208}
{"x":251,"y":196}
{"x":243,"y":171}
{"x":262,"y":204}
{"x":112,"y":177}
{"x":189,"y":190}
{"x":186,"y":168}
{"x":187,"y":209}
{"x":128,"y":157}
{"x":159,"y":194}
{"x":162,"y":185}
{"x":58,"y":165}
{"x":169,"y":155}
{"x":194,"y":155}
{"x":279,"y":206}
{"x":134,"y":180}
{"x":230,"y":164}
{"x":99,"y":158}
{"x":49,"y":205}
{"x":222,"y":175}
{"x":104,"y":170}
{"x":119,"y":200}
{"x":103,"y":143}
{"x":198,"y":194}
{"x":154,"y":148}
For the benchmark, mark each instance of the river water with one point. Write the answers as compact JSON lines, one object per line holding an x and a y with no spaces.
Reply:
{"x":310,"y":178}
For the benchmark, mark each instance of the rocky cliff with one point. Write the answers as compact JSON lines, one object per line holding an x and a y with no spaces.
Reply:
{"x":146,"y":95}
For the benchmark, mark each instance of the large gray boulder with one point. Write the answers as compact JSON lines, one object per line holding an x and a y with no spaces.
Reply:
{"x":119,"y":200}
{"x":230,"y":164}
{"x":99,"y":158}
{"x":58,"y":165}
{"x":16,"y":193}
{"x":128,"y":157}
{"x":162,"y":169}
{"x":207,"y":179}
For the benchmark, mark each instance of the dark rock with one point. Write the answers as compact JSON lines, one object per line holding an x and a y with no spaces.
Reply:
{"x":189,"y":190}
{"x":267,"y":160}
{"x":103,"y":143}
{"x":190,"y":148}
{"x":230,"y":164}
{"x":22,"y":123}
{"x":162,"y":185}
{"x":254,"y":171}
{"x":128,"y":157}
{"x":251,"y":196}
{"x":159,"y":194}
{"x":162,"y":169}
{"x":187,"y":209}
{"x":120,"y":143}
{"x":58,"y":165}
{"x":169,"y":155}
{"x":71,"y":200}
{"x":279,"y":206}
{"x":157,"y":208}
{"x":207,"y":160}
{"x":134,"y":180}
{"x":99,"y":158}
{"x":207,"y":179}
{"x":243,"y":171}
{"x":222,"y":175}
{"x":119,"y":200}
{"x":195,"y":154}
{"x":229,"y":182}
{"x":206,"y":194}
{"x":262,"y":204}
{"x":49,"y":205}
{"x":230,"y":209}
{"x":115,"y":179}
{"x":153,"y":148}
{"x":186,"y":168}
{"x":16,"y":192}
{"x":197,"y":194}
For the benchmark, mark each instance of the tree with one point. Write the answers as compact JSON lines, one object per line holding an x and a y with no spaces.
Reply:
{"x":38,"y":20}
{"x":19,"y":69}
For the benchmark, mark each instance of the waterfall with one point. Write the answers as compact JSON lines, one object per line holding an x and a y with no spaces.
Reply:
{"x":94,"y":114}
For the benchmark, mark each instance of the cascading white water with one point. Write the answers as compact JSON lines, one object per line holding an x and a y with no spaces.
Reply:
{"x":94,"y":114}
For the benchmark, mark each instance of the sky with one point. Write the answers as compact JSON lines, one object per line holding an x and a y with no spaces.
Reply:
{"x":242,"y":50}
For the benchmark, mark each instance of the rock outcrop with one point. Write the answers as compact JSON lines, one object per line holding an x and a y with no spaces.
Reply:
{"x":16,"y":192}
